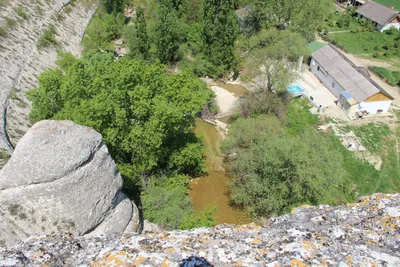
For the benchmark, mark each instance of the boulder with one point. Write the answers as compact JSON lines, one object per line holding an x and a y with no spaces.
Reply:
{"x":61,"y":178}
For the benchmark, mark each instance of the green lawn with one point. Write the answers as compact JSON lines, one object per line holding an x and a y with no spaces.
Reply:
{"x":380,"y":140}
{"x":389,"y":3}
{"x":314,"y":46}
{"x":363,"y":42}
{"x":390,"y":76}
{"x":333,"y":24}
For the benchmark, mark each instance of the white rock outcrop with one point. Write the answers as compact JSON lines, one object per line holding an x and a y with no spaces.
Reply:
{"x":21,"y":61}
{"x":61,"y":178}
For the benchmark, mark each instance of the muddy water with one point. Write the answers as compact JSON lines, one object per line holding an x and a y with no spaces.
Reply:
{"x":237,"y":89}
{"x":213,"y":189}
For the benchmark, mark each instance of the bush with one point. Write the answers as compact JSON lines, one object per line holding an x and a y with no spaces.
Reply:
{"x":392,"y":31}
{"x":392,"y":78}
{"x":3,"y":31}
{"x":48,"y":37}
{"x":166,"y":202}
{"x":274,"y":172}
{"x":20,"y":11}
{"x":363,"y":22}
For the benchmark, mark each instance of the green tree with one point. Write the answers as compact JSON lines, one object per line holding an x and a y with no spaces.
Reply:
{"x":289,"y":14}
{"x":204,"y":218}
{"x":166,"y":202}
{"x":47,"y":97}
{"x":96,"y":37}
{"x":146,"y":117}
{"x":113,"y":6}
{"x":141,"y":34}
{"x":220,"y":30}
{"x":274,"y":172}
{"x":193,"y":10}
{"x":167,"y":34}
{"x":271,"y":59}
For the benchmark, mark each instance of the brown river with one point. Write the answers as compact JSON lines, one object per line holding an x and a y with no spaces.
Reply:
{"x":213,"y":189}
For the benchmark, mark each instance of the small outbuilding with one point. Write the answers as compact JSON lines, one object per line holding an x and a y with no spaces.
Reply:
{"x":381,"y":16}
{"x":355,"y":92}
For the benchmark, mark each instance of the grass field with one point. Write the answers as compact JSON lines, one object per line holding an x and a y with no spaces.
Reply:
{"x":389,"y":3}
{"x":363,"y":42}
{"x":379,"y":140}
{"x":391,"y":77}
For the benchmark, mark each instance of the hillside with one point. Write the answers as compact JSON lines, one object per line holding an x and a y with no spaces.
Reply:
{"x":23,"y":58}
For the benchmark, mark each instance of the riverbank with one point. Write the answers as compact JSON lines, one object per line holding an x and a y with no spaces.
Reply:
{"x":213,"y":189}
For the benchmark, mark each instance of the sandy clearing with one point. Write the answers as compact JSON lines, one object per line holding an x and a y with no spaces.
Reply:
{"x":225,"y":100}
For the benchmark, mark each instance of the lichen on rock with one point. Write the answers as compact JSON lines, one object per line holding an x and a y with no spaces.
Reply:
{"x":364,"y":234}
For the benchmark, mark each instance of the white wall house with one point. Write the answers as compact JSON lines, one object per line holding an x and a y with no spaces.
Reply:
{"x":381,"y":16}
{"x":354,"y":91}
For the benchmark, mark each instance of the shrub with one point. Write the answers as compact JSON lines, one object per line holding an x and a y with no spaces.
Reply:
{"x":68,"y":9}
{"x":20,"y":11}
{"x":38,"y":9}
{"x":363,"y":22}
{"x":48,"y":37}
{"x":11,"y":23}
{"x":392,"y":31}
{"x":392,"y":78}
{"x":3,"y":31}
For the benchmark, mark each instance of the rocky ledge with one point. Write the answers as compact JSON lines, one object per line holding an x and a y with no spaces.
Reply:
{"x":363,"y":234}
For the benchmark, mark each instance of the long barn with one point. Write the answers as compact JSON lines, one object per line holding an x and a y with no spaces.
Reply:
{"x":355,"y":92}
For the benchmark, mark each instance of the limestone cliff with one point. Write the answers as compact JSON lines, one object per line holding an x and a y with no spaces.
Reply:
{"x":61,"y":178}
{"x":21,"y":61}
{"x":363,"y":234}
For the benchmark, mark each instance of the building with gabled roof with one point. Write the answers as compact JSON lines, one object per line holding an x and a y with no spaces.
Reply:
{"x":353,"y":89}
{"x":382,"y":16}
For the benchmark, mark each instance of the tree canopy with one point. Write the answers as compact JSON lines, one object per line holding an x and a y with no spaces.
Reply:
{"x":145,"y":115}
{"x":301,"y":16}
{"x":274,"y":172}
{"x":220,"y":30}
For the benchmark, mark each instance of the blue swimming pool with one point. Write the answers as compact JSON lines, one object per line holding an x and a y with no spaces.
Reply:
{"x":296,"y":89}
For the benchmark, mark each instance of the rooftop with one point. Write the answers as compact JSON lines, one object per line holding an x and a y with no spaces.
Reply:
{"x":377,"y":12}
{"x":345,"y":73}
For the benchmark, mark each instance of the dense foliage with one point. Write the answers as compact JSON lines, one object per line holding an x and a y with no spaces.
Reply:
{"x":145,"y":116}
{"x":289,"y":15}
{"x":220,"y":30}
{"x":274,"y":171}
{"x":166,"y":202}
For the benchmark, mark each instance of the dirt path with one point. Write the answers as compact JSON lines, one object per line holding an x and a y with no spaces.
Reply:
{"x":339,"y":31}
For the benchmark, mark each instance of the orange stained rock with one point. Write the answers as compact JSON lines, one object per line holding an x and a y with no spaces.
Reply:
{"x":119,"y":258}
{"x":300,"y":207}
{"x":349,"y":261}
{"x":256,"y":241}
{"x":254,"y":226}
{"x":297,"y":263}
{"x":263,"y":251}
{"x":238,"y":263}
{"x":139,"y":260}
{"x":166,"y":263}
{"x":311,"y":248}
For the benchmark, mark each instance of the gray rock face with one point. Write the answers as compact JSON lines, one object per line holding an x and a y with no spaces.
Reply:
{"x":61,"y":178}
{"x":363,"y":234}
